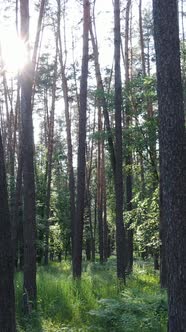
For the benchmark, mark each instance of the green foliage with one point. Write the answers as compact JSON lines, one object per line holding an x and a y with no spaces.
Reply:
{"x":144,"y":218}
{"x":59,"y":221}
{"x":140,"y":307}
{"x":95,"y":303}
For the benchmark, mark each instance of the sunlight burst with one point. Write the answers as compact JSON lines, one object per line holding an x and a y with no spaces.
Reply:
{"x":13,"y":51}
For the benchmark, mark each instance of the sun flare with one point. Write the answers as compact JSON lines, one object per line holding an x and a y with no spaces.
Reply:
{"x":13,"y":52}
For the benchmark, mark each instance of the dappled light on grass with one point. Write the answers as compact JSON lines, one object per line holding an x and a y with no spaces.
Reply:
{"x":94,"y":303}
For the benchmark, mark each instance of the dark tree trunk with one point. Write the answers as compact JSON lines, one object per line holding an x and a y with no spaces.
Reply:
{"x":156,"y":262}
{"x":172,"y":156}
{"x":20,"y":240}
{"x":78,"y":227}
{"x":68,"y":129}
{"x":88,"y":249}
{"x":17,"y":203}
{"x":109,"y":246}
{"x":163,"y":240}
{"x":28,"y":165}
{"x":7,"y":300}
{"x":120,"y":230}
{"x":100,"y":187}
{"x":128,"y":152}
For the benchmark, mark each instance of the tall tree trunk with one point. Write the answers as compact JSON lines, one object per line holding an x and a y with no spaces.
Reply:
{"x":68,"y":128}
{"x":38,"y":35}
{"x":105,"y":225}
{"x":18,"y":188}
{"x":7,"y":300}
{"x":17,"y":204}
{"x":37,"y":46}
{"x":128,"y":152}
{"x":120,"y":230}
{"x":141,"y":39}
{"x":172,"y":155}
{"x":102,"y":99}
{"x":28,"y":165}
{"x":10,"y":139}
{"x":78,"y":228}
{"x":94,"y":230}
{"x":89,"y":169}
{"x":50,"y":157}
{"x":100,"y":187}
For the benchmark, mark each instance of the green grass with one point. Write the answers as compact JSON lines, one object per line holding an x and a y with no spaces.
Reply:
{"x":96,"y":303}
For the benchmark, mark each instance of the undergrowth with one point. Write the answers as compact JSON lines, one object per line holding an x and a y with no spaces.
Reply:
{"x":96,"y":303}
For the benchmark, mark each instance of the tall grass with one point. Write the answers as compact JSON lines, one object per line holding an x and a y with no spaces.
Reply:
{"x":95,"y":303}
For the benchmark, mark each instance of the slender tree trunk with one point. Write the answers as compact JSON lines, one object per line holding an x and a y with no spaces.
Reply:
{"x":102,"y":99}
{"x":172,"y":156}
{"x":92,"y":235}
{"x":100,"y":187}
{"x":28,"y":166}
{"x":94,"y":230}
{"x":38,"y":34}
{"x":142,"y":174}
{"x":78,"y":229}
{"x":88,"y":192}
{"x":128,"y":152}
{"x":50,"y":157}
{"x":120,"y":230}
{"x":75,"y":74}
{"x":10,"y":142}
{"x":37,"y":46}
{"x":141,"y":39}
{"x":7,"y":300}
{"x":68,"y":129}
{"x":17,"y":204}
{"x":105,"y":225}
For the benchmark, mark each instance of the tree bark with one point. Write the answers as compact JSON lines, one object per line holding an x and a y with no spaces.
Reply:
{"x":100,"y":187}
{"x":163,"y":261}
{"x":78,"y":228}
{"x":128,"y":152}
{"x":172,"y":155}
{"x":7,"y":300}
{"x":68,"y":130}
{"x":28,"y":165}
{"x":120,"y":230}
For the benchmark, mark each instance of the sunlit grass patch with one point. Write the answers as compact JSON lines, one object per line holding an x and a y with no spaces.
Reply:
{"x":95,"y":303}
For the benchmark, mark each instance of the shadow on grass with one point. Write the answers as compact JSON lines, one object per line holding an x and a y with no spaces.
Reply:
{"x":33,"y":323}
{"x":65,"y":304}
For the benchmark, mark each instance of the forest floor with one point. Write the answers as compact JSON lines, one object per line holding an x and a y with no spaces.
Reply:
{"x":97,"y":302}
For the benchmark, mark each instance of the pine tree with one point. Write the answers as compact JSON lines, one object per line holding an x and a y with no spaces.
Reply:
{"x":172,"y":155}
{"x":7,"y":300}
